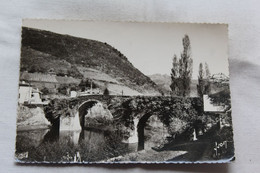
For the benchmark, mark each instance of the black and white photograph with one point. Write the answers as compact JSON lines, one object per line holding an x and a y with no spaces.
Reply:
{"x":123,"y":92}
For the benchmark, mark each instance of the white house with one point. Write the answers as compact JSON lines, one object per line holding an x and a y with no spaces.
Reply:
{"x":220,"y":78}
{"x":73,"y":93}
{"x":29,"y":95}
{"x":210,"y":107}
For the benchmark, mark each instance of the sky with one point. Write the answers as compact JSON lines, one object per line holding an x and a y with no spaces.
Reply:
{"x":150,"y":47}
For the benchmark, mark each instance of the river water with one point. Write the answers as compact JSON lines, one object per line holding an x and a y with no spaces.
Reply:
{"x":85,"y":145}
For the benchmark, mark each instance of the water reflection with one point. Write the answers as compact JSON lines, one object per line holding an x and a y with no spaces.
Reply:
{"x":51,"y":135}
{"x":93,"y":145}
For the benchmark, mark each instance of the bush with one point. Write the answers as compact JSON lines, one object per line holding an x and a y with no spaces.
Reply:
{"x":63,"y":89}
{"x":45,"y":91}
{"x":86,"y":83}
{"x":106,"y":92}
{"x":177,"y":126}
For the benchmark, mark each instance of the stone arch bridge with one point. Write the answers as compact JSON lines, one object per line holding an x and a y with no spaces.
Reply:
{"x":131,"y":112}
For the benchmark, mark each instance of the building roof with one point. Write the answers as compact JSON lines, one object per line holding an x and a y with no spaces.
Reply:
{"x":23,"y":83}
{"x":36,"y":90}
{"x":219,"y":76}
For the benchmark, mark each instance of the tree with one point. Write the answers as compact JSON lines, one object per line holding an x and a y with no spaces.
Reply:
{"x":60,"y":73}
{"x":222,"y":98}
{"x":175,"y":75}
{"x":86,"y":84}
{"x":45,"y":91}
{"x":203,"y":86}
{"x":106,"y":92}
{"x":181,"y":72}
{"x":175,"y":67}
{"x":33,"y":69}
{"x":63,"y":89}
{"x":82,"y":85}
{"x":207,"y":71}
{"x":200,"y":86}
{"x":187,"y":63}
{"x":201,"y":73}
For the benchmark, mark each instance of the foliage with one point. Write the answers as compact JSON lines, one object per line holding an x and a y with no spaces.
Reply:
{"x":203,"y":86}
{"x":166,"y":108}
{"x":222,"y":98}
{"x":63,"y":89}
{"x":56,"y":108}
{"x":124,"y":109}
{"x":34,"y":68}
{"x":177,"y":126}
{"x":174,"y":76}
{"x":86,"y":84}
{"x":45,"y":91}
{"x":97,"y":122}
{"x":35,"y":61}
{"x":182,"y":70}
{"x":207,"y":72}
{"x":106,"y":92}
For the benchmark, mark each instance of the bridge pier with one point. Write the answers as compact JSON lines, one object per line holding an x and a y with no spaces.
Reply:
{"x":133,"y":133}
{"x":70,"y":123}
{"x":70,"y":136}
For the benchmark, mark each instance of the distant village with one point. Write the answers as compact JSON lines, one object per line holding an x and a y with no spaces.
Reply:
{"x":35,"y":88}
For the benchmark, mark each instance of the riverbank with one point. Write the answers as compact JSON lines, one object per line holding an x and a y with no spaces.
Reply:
{"x":147,"y":156}
{"x":31,"y":118}
{"x":29,"y":128}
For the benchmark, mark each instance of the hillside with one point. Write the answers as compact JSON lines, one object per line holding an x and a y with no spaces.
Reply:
{"x":164,"y":82}
{"x":64,"y":55}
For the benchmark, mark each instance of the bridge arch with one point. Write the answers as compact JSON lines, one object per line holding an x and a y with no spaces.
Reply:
{"x":140,"y":129}
{"x":137,"y":134}
{"x":83,"y":110}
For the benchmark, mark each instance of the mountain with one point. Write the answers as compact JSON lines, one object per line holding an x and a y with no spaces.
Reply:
{"x":164,"y":81}
{"x":47,"y":52}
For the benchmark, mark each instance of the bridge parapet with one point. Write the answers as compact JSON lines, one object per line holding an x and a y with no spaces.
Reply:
{"x":183,"y":108}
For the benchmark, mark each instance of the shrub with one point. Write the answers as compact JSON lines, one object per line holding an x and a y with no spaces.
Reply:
{"x":45,"y":91}
{"x":106,"y":92}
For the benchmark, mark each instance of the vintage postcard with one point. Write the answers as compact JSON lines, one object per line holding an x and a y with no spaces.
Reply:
{"x":123,"y":92}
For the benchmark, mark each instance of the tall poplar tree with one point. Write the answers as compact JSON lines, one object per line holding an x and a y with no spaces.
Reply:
{"x":203,"y":86}
{"x":186,"y":67}
{"x":207,"y":72}
{"x":174,"y":76}
{"x":182,"y":70}
{"x":200,"y":86}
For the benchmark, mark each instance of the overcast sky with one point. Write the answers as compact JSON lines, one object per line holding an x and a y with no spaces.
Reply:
{"x":150,"y":46}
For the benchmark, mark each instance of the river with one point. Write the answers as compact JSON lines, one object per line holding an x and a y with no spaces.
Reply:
{"x":52,"y":145}
{"x":85,"y":146}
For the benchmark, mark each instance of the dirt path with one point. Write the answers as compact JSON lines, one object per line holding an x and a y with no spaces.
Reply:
{"x":195,"y":151}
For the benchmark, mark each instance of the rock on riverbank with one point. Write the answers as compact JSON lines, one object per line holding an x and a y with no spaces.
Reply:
{"x":31,"y":118}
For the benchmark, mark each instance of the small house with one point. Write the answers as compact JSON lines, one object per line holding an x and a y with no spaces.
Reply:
{"x":211,"y":107}
{"x":28,"y":94}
